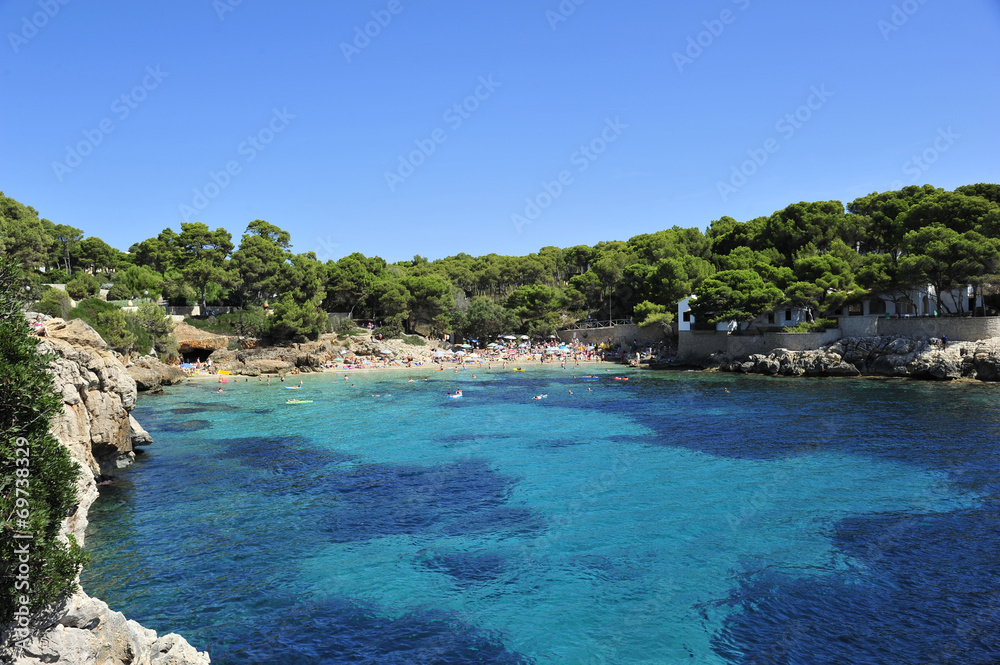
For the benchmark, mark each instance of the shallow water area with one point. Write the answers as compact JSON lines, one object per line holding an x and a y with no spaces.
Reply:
{"x":656,"y":520}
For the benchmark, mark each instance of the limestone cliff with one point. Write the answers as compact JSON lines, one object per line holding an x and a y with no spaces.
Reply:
{"x":97,"y":428}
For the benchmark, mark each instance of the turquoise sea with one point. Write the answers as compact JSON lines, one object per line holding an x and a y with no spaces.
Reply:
{"x":671,"y":518}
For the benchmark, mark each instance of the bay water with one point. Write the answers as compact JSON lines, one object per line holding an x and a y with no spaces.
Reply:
{"x":667,"y":518}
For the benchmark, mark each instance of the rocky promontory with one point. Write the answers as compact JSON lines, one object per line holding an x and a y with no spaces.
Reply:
{"x":97,"y":428}
{"x":312,"y":356}
{"x":889,"y":356}
{"x":150,"y":374}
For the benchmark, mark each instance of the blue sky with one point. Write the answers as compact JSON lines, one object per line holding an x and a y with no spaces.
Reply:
{"x":666,"y":100}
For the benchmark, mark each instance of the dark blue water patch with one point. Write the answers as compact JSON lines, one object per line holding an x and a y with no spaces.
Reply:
{"x":184,"y":410}
{"x":462,"y":497}
{"x":217,"y":407}
{"x":339,"y":631}
{"x":923,"y":591}
{"x":172,"y":425}
{"x":560,"y":443}
{"x":503,"y":520}
{"x":467,"y":568}
{"x":463,"y":438}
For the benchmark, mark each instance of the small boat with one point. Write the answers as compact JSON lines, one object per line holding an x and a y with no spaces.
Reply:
{"x":299,"y":401}
{"x":292,"y":387}
{"x":590,"y":377}
{"x":518,"y":369}
{"x":621,"y":378}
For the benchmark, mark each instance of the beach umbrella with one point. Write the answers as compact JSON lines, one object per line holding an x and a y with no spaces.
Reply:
{"x":338,"y":360}
{"x":466,"y":346}
{"x":460,"y":353}
{"x":449,"y":352}
{"x":509,"y":337}
{"x":385,"y":352}
{"x":524,"y":337}
{"x":491,"y":345}
{"x":439,"y":354}
{"x":552,"y":337}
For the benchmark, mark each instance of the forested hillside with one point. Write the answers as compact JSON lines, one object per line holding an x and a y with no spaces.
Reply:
{"x":815,"y":255}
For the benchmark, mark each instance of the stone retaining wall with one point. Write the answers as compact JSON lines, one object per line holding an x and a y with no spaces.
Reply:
{"x":959,"y":329}
{"x":622,"y":334}
{"x":741,"y":346}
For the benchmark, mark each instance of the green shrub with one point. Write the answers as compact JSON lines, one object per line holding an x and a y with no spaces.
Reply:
{"x":54,"y":302}
{"x":36,"y":506}
{"x":113,"y":327}
{"x":392,"y":328}
{"x":87,"y":310}
{"x":648,"y":314}
{"x":347,"y":328}
{"x":152,"y":329}
{"x":82,"y":286}
{"x":414,"y":340}
{"x":819,"y":325}
{"x":293,"y":320}
{"x":119,"y":292}
{"x":56,"y":276}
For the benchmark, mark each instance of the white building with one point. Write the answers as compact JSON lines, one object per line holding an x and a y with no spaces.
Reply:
{"x":921,"y":301}
{"x":685,"y":319}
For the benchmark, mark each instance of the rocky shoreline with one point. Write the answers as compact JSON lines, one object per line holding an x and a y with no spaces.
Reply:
{"x":884,"y":356}
{"x":97,"y":428}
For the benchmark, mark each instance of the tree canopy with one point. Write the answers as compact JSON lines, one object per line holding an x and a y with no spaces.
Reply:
{"x":816,"y":255}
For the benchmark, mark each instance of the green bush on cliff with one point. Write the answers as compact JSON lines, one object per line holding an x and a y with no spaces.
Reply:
{"x":54,"y":302}
{"x":37,"y":489}
{"x":83,"y":285}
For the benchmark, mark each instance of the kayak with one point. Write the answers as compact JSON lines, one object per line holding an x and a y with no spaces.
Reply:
{"x":292,"y":387}
{"x":299,"y":401}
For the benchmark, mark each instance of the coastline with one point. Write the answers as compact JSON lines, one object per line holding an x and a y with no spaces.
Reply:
{"x":102,"y":437}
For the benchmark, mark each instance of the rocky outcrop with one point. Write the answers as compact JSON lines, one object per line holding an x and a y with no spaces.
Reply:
{"x":97,"y":428}
{"x":311,"y":356}
{"x":882,"y":356}
{"x":85,"y":631}
{"x":192,"y":340}
{"x":150,"y":374}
